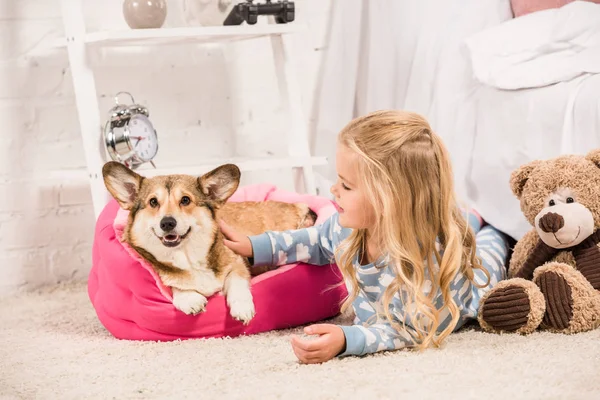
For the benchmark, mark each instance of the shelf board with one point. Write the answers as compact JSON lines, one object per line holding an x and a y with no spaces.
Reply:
{"x":245,"y":165}
{"x":185,"y":35}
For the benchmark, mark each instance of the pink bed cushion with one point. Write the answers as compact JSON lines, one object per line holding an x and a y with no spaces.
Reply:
{"x":523,"y":7}
{"x":132,"y":304}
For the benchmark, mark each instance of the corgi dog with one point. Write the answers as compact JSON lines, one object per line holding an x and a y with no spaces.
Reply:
{"x":172,"y":224}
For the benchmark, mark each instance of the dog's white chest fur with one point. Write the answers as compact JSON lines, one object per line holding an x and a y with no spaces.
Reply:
{"x":205,"y":280}
{"x":206,"y":283}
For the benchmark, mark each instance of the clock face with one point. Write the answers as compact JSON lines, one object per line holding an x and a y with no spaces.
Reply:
{"x":142,"y":137}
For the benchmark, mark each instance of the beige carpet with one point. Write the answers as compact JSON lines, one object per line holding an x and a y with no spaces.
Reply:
{"x":53,"y":347}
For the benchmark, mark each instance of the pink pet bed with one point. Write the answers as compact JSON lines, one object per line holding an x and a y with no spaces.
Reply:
{"x":132,"y":303}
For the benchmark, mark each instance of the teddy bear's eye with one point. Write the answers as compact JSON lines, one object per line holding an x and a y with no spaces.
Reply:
{"x":570,"y":200}
{"x":551,"y":203}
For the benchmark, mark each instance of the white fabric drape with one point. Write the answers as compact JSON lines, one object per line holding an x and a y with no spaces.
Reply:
{"x":540,"y":100}
{"x":404,"y":54}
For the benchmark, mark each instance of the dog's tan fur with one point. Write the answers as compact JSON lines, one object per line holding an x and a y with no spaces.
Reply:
{"x":200,"y":265}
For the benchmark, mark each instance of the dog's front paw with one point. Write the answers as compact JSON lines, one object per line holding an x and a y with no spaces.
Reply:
{"x":241,"y":306}
{"x":239,"y":298}
{"x":243,"y":311}
{"x":188,"y":301}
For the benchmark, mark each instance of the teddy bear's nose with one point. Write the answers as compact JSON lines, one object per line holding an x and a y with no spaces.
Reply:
{"x":551,"y":222}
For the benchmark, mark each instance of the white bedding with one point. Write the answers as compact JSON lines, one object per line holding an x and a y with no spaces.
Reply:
{"x":555,"y":109}
{"x":539,"y":49}
{"x":516,"y":127}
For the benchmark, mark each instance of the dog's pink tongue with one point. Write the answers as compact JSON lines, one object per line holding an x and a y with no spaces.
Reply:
{"x":171,"y":238}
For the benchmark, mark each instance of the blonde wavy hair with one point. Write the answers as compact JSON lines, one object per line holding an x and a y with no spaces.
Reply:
{"x":405,"y":172}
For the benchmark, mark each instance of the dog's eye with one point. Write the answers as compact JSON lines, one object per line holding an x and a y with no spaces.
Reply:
{"x":185,"y":201}
{"x":570,"y":200}
{"x":153,"y":202}
{"x":551,"y":203}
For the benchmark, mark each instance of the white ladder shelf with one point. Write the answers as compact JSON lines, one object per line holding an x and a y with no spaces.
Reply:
{"x":78,"y":41}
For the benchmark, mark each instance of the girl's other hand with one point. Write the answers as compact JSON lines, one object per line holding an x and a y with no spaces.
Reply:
{"x":330,"y":343}
{"x":238,"y":243}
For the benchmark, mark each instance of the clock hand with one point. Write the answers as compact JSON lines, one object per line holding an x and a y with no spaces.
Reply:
{"x":140,"y":138}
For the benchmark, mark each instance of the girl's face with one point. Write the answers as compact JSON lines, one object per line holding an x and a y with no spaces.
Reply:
{"x":356,"y":212}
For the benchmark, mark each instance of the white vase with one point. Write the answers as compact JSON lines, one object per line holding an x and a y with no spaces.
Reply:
{"x":206,"y":12}
{"x":145,"y":14}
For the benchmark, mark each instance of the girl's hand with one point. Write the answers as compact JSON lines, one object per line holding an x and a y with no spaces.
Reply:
{"x":330,"y":343}
{"x":238,"y":243}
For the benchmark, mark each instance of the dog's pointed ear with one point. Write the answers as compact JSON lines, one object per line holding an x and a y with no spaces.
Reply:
{"x":220,"y":183}
{"x":594,"y":156}
{"x":519,"y":177}
{"x":122,"y":183}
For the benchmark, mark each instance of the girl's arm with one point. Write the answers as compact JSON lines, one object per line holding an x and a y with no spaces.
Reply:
{"x":381,"y":336}
{"x":314,"y":245}
{"x":340,"y":341}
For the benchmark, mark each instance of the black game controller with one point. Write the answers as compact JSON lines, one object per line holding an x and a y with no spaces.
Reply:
{"x":284,"y":12}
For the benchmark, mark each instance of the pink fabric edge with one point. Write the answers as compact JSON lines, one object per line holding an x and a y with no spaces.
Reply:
{"x":119,"y":226}
{"x":521,"y":8}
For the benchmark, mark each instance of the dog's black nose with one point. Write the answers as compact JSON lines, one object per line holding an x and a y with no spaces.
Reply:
{"x":167,"y":224}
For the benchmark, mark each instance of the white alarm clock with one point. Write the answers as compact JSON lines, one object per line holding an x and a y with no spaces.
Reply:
{"x":129,"y":136}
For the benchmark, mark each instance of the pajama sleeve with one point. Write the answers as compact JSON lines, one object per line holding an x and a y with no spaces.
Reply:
{"x":314,"y":245}
{"x":381,"y":336}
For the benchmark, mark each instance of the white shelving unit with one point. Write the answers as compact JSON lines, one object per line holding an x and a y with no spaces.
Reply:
{"x":78,"y":41}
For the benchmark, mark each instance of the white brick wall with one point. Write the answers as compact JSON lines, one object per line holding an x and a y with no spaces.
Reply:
{"x":204,"y":102}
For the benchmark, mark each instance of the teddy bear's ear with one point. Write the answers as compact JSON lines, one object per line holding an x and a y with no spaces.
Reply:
{"x":594,"y":156}
{"x":519,"y":177}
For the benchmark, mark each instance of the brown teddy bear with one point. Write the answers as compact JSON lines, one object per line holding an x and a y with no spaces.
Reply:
{"x":555,"y":268}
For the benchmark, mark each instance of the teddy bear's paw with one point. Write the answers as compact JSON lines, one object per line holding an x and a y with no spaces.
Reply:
{"x":559,"y":300}
{"x":515,"y":305}
{"x":572,"y":304}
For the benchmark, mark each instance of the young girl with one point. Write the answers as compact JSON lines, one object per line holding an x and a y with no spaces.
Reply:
{"x":415,"y":272}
